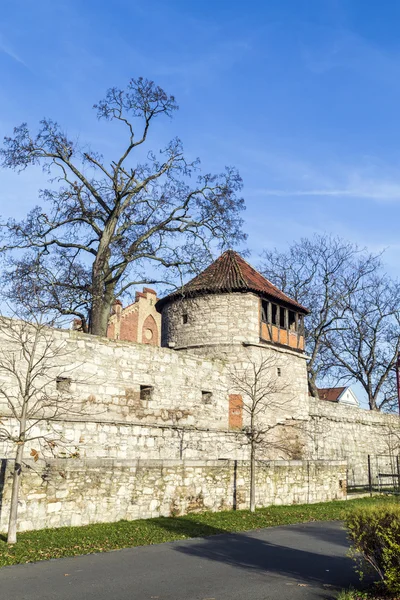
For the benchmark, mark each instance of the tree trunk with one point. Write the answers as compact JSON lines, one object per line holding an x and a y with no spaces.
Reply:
{"x":312,"y":386}
{"x":100,"y":313}
{"x":12,"y":524}
{"x":252,"y":476}
{"x":103,"y":296}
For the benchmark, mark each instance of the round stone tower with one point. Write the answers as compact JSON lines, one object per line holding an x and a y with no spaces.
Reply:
{"x":229,"y":303}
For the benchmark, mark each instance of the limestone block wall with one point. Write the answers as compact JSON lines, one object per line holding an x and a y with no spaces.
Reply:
{"x":138,"y":401}
{"x":349,"y":433}
{"x":212,"y":319}
{"x":141,"y":401}
{"x":292,"y":379}
{"x":292,"y":403}
{"x":110,"y":378}
{"x":73,"y":492}
{"x":124,"y":440}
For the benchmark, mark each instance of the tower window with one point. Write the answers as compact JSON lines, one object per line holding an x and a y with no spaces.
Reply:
{"x":184,"y":318}
{"x":274,"y":314}
{"x":146,"y":392}
{"x":206,"y":397}
{"x":264,"y":311}
{"x":282,"y":323}
{"x":292,"y":321}
{"x":63,"y":384}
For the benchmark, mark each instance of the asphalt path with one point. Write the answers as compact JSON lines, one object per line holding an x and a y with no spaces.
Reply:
{"x":304,"y":561}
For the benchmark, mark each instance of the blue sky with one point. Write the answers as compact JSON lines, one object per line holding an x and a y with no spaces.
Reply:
{"x":302,"y":96}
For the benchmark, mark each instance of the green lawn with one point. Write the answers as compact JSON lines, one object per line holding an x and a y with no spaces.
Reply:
{"x":70,"y":541}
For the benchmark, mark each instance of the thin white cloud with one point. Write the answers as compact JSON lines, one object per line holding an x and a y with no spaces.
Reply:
{"x":378,"y":192}
{"x":5,"y":49}
{"x":371,"y":179}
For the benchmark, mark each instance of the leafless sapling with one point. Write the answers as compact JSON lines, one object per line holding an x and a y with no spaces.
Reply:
{"x":266,"y":399}
{"x":36,"y":367}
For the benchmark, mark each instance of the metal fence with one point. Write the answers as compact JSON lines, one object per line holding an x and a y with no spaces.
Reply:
{"x":382,"y":475}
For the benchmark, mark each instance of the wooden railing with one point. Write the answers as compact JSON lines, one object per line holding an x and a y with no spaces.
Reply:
{"x":272,"y":333}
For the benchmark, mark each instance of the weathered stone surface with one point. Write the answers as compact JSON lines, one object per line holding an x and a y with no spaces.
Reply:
{"x":174,"y":420}
{"x":349,"y":433}
{"x":211,"y":319}
{"x":152,"y":419}
{"x":73,"y":492}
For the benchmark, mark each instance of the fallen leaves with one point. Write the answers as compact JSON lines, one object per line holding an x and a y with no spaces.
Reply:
{"x":35,"y":454}
{"x":102,"y":537}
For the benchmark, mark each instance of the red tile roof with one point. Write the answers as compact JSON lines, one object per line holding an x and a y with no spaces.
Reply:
{"x":231,"y":273}
{"x":330,"y":394}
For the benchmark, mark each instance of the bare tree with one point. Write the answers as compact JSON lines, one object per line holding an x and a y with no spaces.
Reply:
{"x":323,"y":274}
{"x":34,"y":395}
{"x":265,"y":396}
{"x":391,"y":437}
{"x":366,"y":342}
{"x":108,"y":222}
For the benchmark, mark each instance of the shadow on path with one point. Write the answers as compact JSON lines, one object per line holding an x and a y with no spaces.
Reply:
{"x":186,"y":527}
{"x":308,"y":563}
{"x":322,"y":532}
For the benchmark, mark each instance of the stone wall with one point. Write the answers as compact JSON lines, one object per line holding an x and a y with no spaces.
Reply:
{"x":74,"y":492}
{"x":108,"y":376}
{"x":341,"y":432}
{"x":290,"y":402}
{"x":124,"y":440}
{"x":141,"y":401}
{"x":210,"y":320}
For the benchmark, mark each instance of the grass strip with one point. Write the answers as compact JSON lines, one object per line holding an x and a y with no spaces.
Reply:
{"x":44,"y":544}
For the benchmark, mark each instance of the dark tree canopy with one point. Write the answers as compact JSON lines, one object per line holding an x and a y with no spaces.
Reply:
{"x":103,"y":224}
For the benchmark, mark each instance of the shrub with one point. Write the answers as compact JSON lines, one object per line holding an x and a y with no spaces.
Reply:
{"x":375,"y":534}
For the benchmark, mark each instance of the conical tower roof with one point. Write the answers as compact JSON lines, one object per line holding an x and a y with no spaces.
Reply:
{"x":231,"y":273}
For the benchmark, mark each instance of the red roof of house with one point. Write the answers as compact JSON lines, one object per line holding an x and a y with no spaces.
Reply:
{"x":330,"y":394}
{"x":231,"y":273}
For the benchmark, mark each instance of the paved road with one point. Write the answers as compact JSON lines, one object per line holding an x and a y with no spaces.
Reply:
{"x":285,"y":563}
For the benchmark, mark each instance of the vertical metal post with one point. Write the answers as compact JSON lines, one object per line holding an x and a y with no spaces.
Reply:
{"x":235,"y":464}
{"x":398,"y":473}
{"x":398,"y":380}
{"x":369,"y":475}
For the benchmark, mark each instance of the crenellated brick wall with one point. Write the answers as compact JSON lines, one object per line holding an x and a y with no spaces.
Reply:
{"x":138,"y":322}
